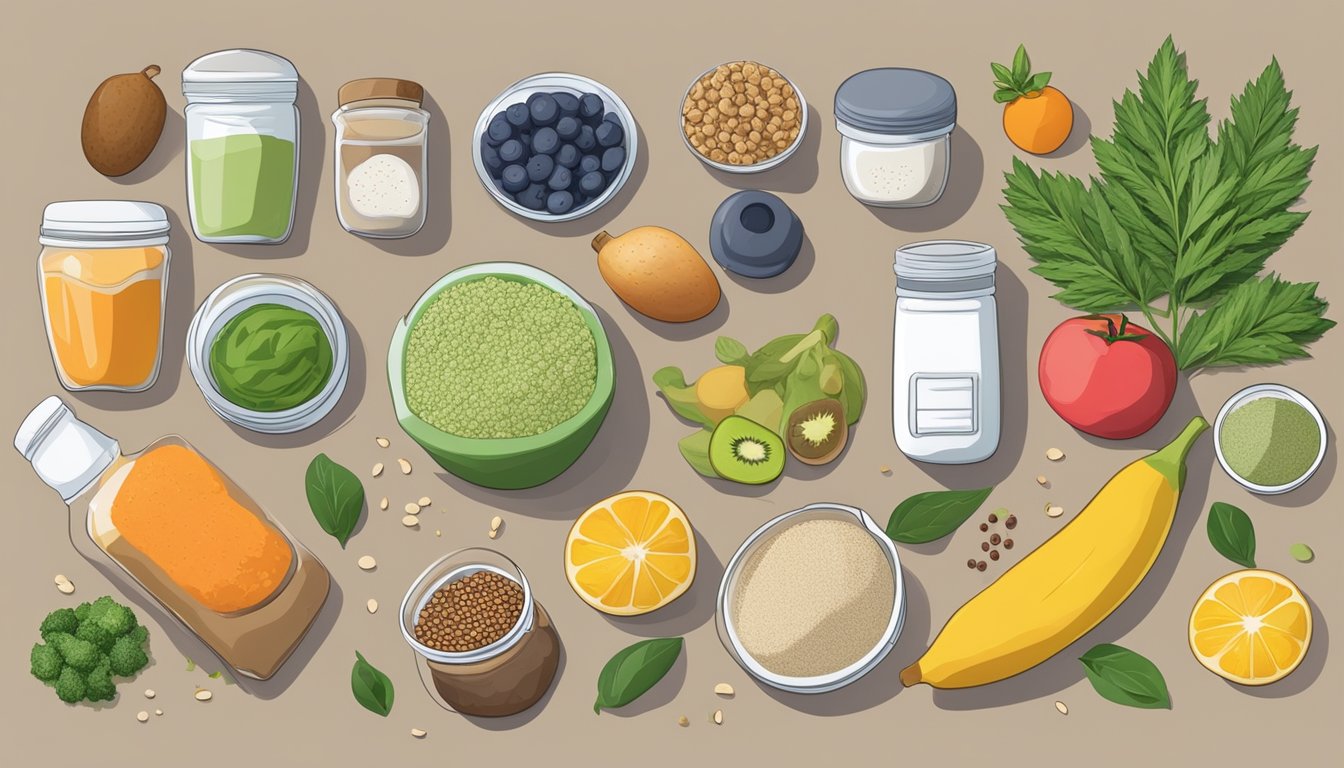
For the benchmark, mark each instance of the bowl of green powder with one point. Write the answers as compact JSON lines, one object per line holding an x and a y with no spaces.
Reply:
{"x":502,"y":373}
{"x":1270,"y":438}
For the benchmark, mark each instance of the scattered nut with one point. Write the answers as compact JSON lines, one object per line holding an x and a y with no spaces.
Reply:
{"x":424,"y":501}
{"x":1054,"y":510}
{"x":1040,"y":480}
{"x":382,"y":503}
{"x":142,"y":716}
{"x":412,"y":508}
{"x":367,"y":563}
{"x":884,"y":469}
{"x":405,"y":466}
{"x":149,"y":693}
{"x":382,"y":442}
{"x":493,"y":534}
{"x":158,"y":712}
{"x":1062,"y":707}
{"x":203,"y":695}
{"x":419,"y":733}
{"x":724,"y":689}
{"x":495,"y":522}
{"x":378,"y":469}
{"x":410,"y":521}
{"x":1054,"y":454}
{"x":373,"y":605}
{"x":438,"y":533}
{"x":63,"y":585}
{"x":718,"y":717}
{"x":684,"y":721}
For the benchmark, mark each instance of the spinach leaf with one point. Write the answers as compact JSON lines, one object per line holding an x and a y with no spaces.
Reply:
{"x":680,"y":395}
{"x":1124,"y":677}
{"x":634,"y":670}
{"x":373,"y":690}
{"x":1232,"y":534}
{"x":730,"y":351}
{"x":335,"y":495}
{"x":932,"y":515}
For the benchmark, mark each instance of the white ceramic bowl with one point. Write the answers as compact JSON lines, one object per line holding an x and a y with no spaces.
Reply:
{"x":1255,"y":393}
{"x":756,"y":167}
{"x":246,"y":291}
{"x":549,"y":83}
{"x":841,"y":677}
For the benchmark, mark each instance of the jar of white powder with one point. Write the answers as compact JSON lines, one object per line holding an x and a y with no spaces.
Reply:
{"x":380,"y":157}
{"x":895,"y":126}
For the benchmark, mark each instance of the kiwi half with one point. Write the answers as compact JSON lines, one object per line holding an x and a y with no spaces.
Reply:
{"x":817,"y":431}
{"x":745,"y":452}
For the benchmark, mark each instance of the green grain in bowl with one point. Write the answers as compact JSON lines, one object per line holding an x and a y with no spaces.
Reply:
{"x":1270,"y":441}
{"x":492,"y":359}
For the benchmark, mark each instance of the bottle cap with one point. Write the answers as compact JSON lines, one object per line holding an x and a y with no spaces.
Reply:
{"x":65,"y":452}
{"x":380,"y":88}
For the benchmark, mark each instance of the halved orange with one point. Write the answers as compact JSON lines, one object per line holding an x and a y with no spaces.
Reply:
{"x":631,"y":553}
{"x":1251,"y":627}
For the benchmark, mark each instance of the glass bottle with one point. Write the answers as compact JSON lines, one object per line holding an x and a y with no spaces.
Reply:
{"x":381,"y":183}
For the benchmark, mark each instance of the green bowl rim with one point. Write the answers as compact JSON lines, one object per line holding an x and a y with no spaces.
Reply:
{"x":603,"y":388}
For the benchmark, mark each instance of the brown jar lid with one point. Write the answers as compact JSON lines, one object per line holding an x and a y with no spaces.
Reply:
{"x":380,"y":88}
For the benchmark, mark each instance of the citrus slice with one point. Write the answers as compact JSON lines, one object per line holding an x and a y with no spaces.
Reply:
{"x":1251,"y":627}
{"x":631,"y":553}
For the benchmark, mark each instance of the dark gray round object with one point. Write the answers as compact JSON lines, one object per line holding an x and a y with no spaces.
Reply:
{"x":754,"y":234}
{"x":896,"y":101}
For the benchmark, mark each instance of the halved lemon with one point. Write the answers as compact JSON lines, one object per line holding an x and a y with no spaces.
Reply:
{"x":1251,"y":627}
{"x":631,"y":553}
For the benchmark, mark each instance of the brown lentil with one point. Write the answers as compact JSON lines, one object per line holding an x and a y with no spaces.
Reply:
{"x":994,"y":539}
{"x":993,"y":554}
{"x":970,"y":563}
{"x":982,"y":565}
{"x":984,"y":546}
{"x":984,"y":527}
{"x":470,"y":613}
{"x":993,"y":518}
{"x":741,"y":113}
{"x":1011,"y":522}
{"x":1007,"y":543}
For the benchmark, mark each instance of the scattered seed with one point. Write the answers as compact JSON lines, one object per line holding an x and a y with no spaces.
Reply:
{"x":1054,"y":454}
{"x":367,"y":563}
{"x":495,"y":522}
{"x":994,"y":539}
{"x":410,"y":521}
{"x":1302,"y":553}
{"x":984,"y":527}
{"x":149,"y":693}
{"x":984,"y":546}
{"x":378,"y":469}
{"x":373,"y":605}
{"x":971,"y":563}
{"x":982,"y":565}
{"x":993,"y":554}
{"x":884,"y":469}
{"x":412,"y":508}
{"x":1062,"y":707}
{"x":158,"y":712}
{"x":382,"y":503}
{"x":724,"y":689}
{"x":424,"y":501}
{"x":493,"y":534}
{"x":683,"y":721}
{"x":203,"y":695}
{"x":1054,"y":510}
{"x":993,"y":518}
{"x":142,"y":716}
{"x":382,"y":442}
{"x":64,"y":585}
{"x":1011,"y":522}
{"x":405,"y":466}
{"x":1040,"y":480}
{"x":1007,"y":543}
{"x":718,"y":717}
{"x":438,"y":533}
{"x":419,"y":733}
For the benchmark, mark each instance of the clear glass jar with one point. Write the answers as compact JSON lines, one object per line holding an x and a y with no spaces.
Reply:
{"x":381,"y":183}
{"x":242,"y":146}
{"x":103,"y":279}
{"x":895,"y":126}
{"x":181,"y":533}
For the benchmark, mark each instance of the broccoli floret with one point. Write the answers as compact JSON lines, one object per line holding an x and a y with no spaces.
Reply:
{"x":96,"y":634}
{"x":117,"y":619}
{"x":82,"y":611}
{"x":80,"y":654}
{"x":59,"y":620}
{"x":70,"y":685}
{"x":45,"y":662}
{"x":99,"y":684}
{"x":127,"y":657}
{"x":139,"y":634}
{"x":98,"y":607}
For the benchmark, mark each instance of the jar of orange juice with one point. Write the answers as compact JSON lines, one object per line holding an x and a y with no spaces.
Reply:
{"x":103,"y":276}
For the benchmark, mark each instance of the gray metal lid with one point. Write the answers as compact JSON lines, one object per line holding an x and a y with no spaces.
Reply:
{"x":896,"y":101}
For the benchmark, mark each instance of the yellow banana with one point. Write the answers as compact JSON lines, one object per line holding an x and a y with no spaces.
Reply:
{"x":1059,"y":592}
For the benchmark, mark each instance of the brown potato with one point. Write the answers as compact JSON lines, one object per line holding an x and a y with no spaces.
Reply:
{"x":658,"y":274}
{"x":123,"y":121}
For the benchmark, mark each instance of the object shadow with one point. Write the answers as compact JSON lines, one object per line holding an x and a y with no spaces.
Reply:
{"x":1078,"y":137}
{"x":171,"y":143}
{"x":509,"y":722}
{"x":587,"y":224}
{"x":293,"y":667}
{"x":687,"y":613}
{"x":788,"y":279}
{"x":884,"y":681}
{"x":439,"y":210}
{"x":966,"y":174}
{"x":608,"y":464}
{"x":1301,"y":678}
{"x":685,"y":331}
{"x":178,"y":310}
{"x":797,"y":174}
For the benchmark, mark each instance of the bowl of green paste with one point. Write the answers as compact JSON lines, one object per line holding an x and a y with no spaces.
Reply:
{"x":1269,"y":438}
{"x":502,"y":373}
{"x":269,"y":353}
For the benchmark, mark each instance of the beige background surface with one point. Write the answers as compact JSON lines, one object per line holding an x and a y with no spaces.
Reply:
{"x":464,"y":54}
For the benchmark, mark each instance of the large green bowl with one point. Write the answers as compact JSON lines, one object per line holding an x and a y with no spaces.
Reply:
{"x":515,"y":462}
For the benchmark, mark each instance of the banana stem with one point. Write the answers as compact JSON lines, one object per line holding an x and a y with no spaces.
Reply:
{"x":1170,"y":460}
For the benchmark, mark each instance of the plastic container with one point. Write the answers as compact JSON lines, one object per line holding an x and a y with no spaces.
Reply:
{"x":503,"y":678}
{"x":232,"y":298}
{"x":103,"y":280}
{"x":515,"y":462}
{"x":945,"y":372}
{"x":839,"y":678}
{"x":253,"y":636}
{"x":1256,"y":392}
{"x":755,"y":234}
{"x":895,"y":126}
{"x":764,"y":165}
{"x":242,"y":146}
{"x":382,"y":187}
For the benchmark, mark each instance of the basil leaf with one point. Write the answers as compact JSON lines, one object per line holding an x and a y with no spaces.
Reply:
{"x":1124,"y":677}
{"x":634,"y":670}
{"x":730,"y":351}
{"x":335,"y":495}
{"x":373,"y":690}
{"x":930,"y":516}
{"x":1232,"y":534}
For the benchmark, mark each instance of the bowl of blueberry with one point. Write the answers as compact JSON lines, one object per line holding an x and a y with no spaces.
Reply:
{"x":555,"y":147}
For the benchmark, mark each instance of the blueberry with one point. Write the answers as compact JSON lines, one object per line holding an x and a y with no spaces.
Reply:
{"x":590,"y":163}
{"x":591,"y":108}
{"x":512,"y":151}
{"x":586,"y":141}
{"x":518,"y":116}
{"x":609,"y":134}
{"x":567,"y":128}
{"x":567,"y":102}
{"x":592,"y":183}
{"x":611,"y":117}
{"x":545,"y":141}
{"x":560,"y":202}
{"x":534,"y":197}
{"x":515,"y":178}
{"x":499,"y":130}
{"x":490,"y":157}
{"x":567,"y":155}
{"x":543,"y":108}
{"x":526,"y":138}
{"x":613,"y":159}
{"x":539,"y":167}
{"x":560,"y":179}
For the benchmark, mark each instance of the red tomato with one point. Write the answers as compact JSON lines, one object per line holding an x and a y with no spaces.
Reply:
{"x":1107,"y":376}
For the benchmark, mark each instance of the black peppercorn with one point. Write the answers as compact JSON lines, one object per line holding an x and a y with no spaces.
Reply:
{"x":994,"y":539}
{"x":1007,"y":543}
{"x":993,"y":554}
{"x":982,"y":565}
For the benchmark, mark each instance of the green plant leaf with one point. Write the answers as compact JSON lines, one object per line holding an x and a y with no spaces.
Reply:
{"x":730,"y":351}
{"x":372,"y":689}
{"x":1039,"y":81}
{"x":335,"y":495}
{"x":1124,"y":677}
{"x":1002,"y":74}
{"x":680,"y":396}
{"x":1004,"y":96}
{"x":932,"y":515}
{"x":1232,"y":534}
{"x":695,"y":450}
{"x":634,"y":670}
{"x":1021,"y":64}
{"x":1260,"y":322}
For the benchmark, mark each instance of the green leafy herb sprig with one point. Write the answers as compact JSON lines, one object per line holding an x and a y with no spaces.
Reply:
{"x":335,"y":495}
{"x":1232,"y":534}
{"x":1179,"y":224}
{"x":931,"y":515}
{"x":634,"y":670}
{"x":1018,"y":81}
{"x":1125,"y":677}
{"x":372,"y":689}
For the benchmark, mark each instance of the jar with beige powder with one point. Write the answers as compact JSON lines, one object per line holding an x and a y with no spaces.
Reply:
{"x":381,"y":186}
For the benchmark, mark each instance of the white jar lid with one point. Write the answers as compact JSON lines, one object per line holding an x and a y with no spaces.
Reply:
{"x":115,"y":222}
{"x":240,"y":73}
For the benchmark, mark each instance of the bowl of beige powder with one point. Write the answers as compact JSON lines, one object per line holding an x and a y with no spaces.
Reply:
{"x":812,"y":600}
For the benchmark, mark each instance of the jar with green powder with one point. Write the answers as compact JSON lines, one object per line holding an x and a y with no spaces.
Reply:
{"x":1270,"y":438}
{"x":242,"y":146}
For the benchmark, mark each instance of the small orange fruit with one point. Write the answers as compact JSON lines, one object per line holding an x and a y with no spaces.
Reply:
{"x":630,"y":553}
{"x":1037,"y":117}
{"x":1251,"y":627}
